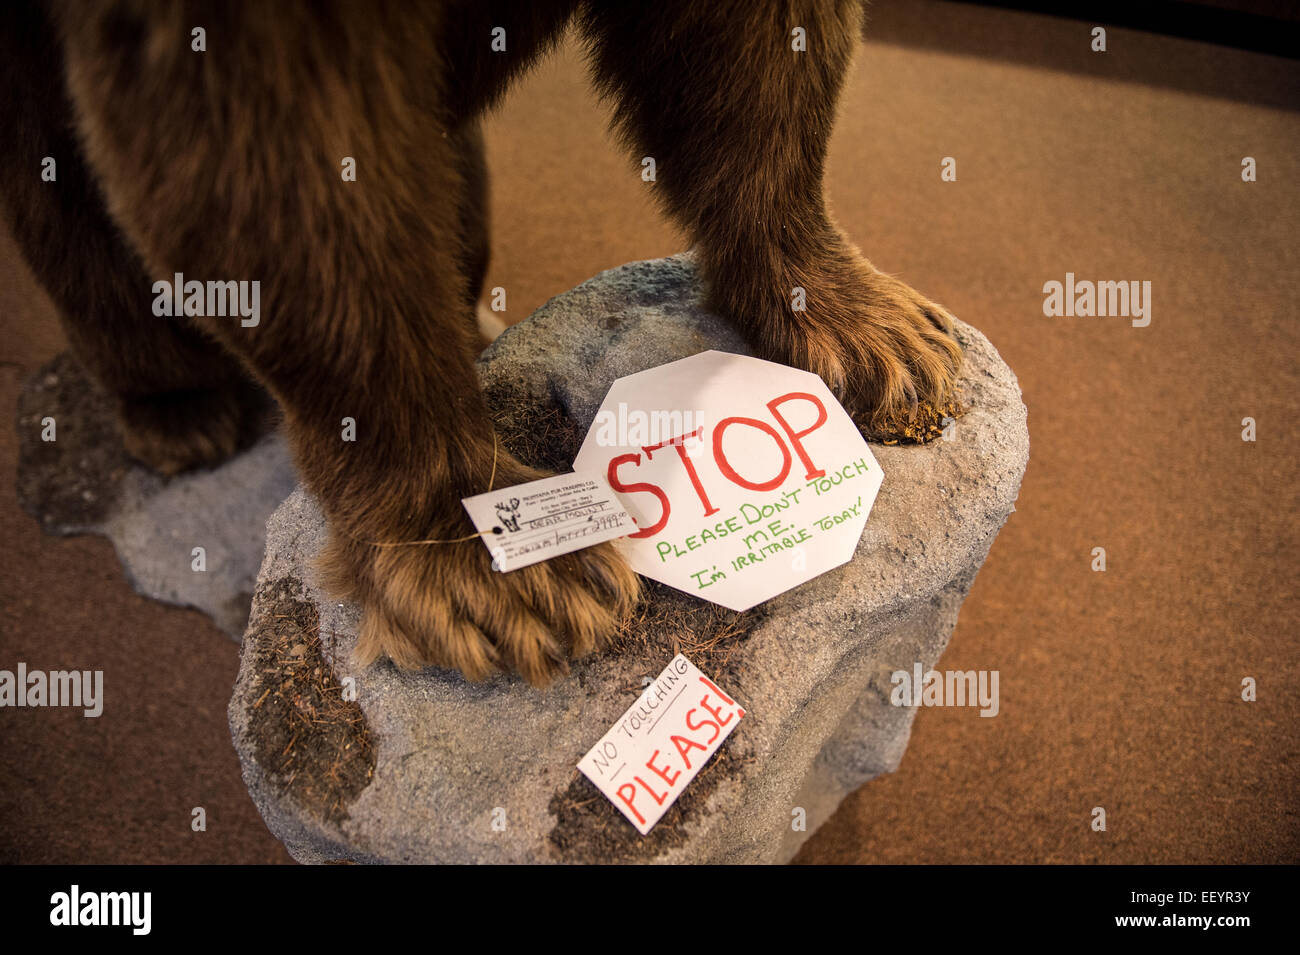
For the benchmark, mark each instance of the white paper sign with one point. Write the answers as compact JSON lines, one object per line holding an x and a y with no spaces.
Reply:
{"x":531,"y":522}
{"x":657,"y":747}
{"x":745,"y":477}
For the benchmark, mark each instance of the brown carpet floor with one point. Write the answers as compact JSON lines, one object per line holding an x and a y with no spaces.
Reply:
{"x":1118,"y":689}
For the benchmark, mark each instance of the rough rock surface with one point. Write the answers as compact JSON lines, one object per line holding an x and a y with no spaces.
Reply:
{"x":84,"y":482}
{"x":446,"y":763}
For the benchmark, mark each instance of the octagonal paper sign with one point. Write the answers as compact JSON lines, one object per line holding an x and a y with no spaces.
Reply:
{"x":745,"y":477}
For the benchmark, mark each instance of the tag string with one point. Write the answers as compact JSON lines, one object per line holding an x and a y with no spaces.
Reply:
{"x":454,"y":540}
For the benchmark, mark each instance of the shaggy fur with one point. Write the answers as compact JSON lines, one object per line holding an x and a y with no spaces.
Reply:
{"x":226,"y":165}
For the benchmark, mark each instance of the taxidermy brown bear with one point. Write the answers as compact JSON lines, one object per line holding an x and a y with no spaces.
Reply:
{"x":224,"y":164}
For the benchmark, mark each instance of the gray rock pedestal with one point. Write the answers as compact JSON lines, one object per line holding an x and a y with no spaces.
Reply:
{"x":84,"y":482}
{"x":425,"y":767}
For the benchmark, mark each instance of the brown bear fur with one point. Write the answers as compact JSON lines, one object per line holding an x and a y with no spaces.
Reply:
{"x":226,"y":165}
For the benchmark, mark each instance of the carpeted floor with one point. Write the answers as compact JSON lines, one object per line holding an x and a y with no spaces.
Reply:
{"x":1118,"y":689}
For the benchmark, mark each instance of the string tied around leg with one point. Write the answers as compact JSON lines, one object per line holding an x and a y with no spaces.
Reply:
{"x":452,"y":540}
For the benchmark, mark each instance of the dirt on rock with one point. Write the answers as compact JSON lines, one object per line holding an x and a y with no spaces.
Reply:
{"x":312,"y":741}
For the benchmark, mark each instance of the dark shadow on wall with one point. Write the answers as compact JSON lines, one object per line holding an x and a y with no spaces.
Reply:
{"x":1234,"y":54}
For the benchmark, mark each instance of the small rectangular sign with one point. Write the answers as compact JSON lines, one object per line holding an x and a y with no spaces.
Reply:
{"x":657,"y":747}
{"x":531,"y":522}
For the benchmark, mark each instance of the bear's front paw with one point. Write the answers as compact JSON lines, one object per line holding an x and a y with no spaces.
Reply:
{"x":443,"y":605}
{"x":886,"y":351}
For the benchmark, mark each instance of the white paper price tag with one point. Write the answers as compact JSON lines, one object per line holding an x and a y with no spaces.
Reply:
{"x":531,"y":522}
